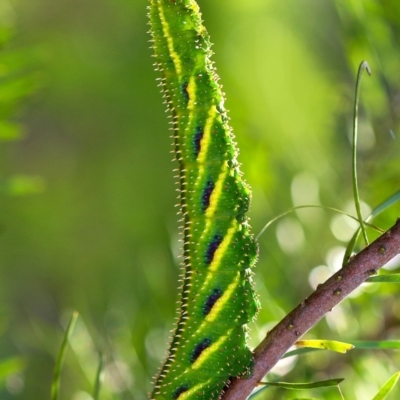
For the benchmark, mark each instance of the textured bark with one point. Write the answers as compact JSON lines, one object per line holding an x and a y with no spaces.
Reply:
{"x":314,"y":307}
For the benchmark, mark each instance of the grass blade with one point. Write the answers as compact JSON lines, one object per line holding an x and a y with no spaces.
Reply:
{"x":305,"y":386}
{"x":357,"y":345}
{"x":297,"y":386}
{"x":387,"y":387}
{"x":377,"y":345}
{"x":394,"y":198}
{"x":384,"y":278}
{"x":55,"y":386}
{"x":97,"y":382}
{"x":364,"y":66}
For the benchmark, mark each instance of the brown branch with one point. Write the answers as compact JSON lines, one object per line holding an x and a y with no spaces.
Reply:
{"x":312,"y":309}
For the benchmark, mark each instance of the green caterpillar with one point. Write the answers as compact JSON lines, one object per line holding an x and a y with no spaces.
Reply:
{"x":217,"y":301}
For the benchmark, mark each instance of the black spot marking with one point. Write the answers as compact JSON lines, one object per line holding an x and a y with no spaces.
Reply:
{"x":184,"y":91}
{"x":205,"y":198}
{"x":197,"y":140}
{"x":180,"y":390}
{"x":211,"y":300}
{"x":204,"y":344}
{"x":212,"y":248}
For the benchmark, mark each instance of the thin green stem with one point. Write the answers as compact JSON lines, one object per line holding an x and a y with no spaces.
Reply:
{"x":97,"y":384}
{"x":340,"y":392}
{"x":363,"y":66}
{"x":55,"y":386}
{"x":266,"y":226}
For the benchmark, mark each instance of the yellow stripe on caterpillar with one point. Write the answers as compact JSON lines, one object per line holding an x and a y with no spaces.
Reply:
{"x":174,"y":55}
{"x":210,"y":350}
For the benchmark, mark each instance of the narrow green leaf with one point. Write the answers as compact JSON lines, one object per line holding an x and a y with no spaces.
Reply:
{"x":55,"y":386}
{"x":377,"y":345}
{"x":97,"y":382}
{"x":387,"y":278}
{"x":387,"y":387}
{"x":332,"y":345}
{"x":364,"y":66}
{"x":394,"y":198}
{"x":350,"y":247}
{"x":304,"y":386}
{"x":358,"y":345}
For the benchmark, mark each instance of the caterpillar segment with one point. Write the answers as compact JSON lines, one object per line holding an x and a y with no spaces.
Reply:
{"x":217,"y":301}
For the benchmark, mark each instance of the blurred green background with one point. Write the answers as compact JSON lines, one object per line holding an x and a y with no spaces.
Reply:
{"x":100,"y":235}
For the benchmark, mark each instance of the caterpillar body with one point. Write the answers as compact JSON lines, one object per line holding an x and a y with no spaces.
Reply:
{"x":217,"y":297}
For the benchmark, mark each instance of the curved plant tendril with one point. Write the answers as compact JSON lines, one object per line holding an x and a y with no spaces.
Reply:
{"x":269,"y":223}
{"x":363,"y":66}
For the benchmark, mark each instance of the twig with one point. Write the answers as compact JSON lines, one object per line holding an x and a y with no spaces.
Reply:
{"x":313,"y":308}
